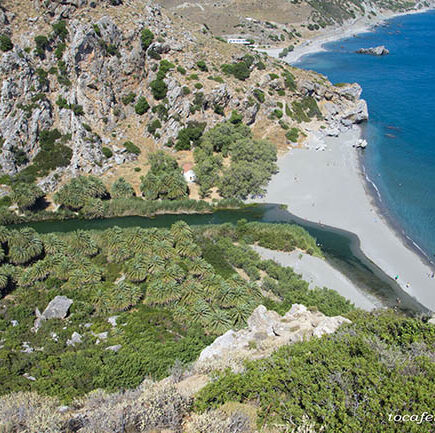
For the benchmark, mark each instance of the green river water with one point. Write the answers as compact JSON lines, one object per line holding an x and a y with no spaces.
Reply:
{"x":341,"y":248}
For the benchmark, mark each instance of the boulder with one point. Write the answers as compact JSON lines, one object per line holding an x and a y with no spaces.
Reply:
{"x":374,"y":51}
{"x":57,"y":308}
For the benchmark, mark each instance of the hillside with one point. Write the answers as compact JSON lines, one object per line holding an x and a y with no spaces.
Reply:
{"x":82,"y":79}
{"x":282,"y":22}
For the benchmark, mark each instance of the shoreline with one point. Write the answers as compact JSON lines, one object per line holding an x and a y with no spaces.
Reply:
{"x":350,"y":29}
{"x":329,"y":187}
{"x":318,"y":272}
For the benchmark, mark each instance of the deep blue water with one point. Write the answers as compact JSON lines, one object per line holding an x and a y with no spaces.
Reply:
{"x":400,"y":91}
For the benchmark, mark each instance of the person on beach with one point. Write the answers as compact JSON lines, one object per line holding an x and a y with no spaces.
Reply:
{"x":396,"y":277}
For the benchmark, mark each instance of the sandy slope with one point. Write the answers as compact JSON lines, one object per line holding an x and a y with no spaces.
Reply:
{"x":319,"y":273}
{"x":327,"y":187}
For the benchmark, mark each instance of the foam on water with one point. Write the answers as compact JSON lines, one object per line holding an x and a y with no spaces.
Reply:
{"x":400,"y":91}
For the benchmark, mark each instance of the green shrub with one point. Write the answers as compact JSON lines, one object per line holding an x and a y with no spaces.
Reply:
{"x":159,"y":89}
{"x":202,"y":65}
{"x":154,"y":126}
{"x":97,"y":30}
{"x":340,"y":369}
{"x":60,"y":49}
{"x":259,"y":95}
{"x":129,"y":98}
{"x":141,"y":106}
{"x":61,"y":102}
{"x":60,"y":30}
{"x":198,"y":86}
{"x":190,"y":135}
{"x":132,"y":148}
{"x":107,"y":152}
{"x":241,"y":71}
{"x":293,"y":135}
{"x":41,"y":45}
{"x":146,"y":38}
{"x":6,"y":43}
{"x":181,"y":70}
{"x":236,"y":117}
{"x":77,"y":109}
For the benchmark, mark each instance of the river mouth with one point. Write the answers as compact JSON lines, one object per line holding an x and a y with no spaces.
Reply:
{"x":341,"y":248}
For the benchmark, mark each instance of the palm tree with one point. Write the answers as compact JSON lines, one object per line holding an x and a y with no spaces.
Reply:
{"x":163,"y":249}
{"x":26,"y":195}
{"x":157,"y":293}
{"x":53,"y":244}
{"x":240,"y":313}
{"x":181,"y":231}
{"x":124,"y":295}
{"x":82,"y":244}
{"x":4,"y":278}
{"x":201,"y":312}
{"x":155,"y":264}
{"x":121,"y":189}
{"x":191,"y":291}
{"x":24,"y":245}
{"x":200,"y":268}
{"x":218,"y":322}
{"x":93,"y":208}
{"x":38,"y":272}
{"x":4,"y":234}
{"x":136,"y":269}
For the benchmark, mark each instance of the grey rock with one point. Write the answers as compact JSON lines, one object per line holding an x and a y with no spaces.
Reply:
{"x":27,"y":376}
{"x":268,"y":330}
{"x":57,"y":308}
{"x":114,"y":348}
{"x":112,"y":320}
{"x":374,"y":51}
{"x":26,"y":348}
{"x":76,"y":338}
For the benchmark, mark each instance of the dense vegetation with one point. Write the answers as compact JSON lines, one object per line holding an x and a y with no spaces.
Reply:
{"x":348,"y":382}
{"x":252,"y":161}
{"x":172,"y":290}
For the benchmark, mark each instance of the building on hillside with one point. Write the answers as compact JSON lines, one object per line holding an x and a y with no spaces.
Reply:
{"x":188,"y":173}
{"x":239,"y":41}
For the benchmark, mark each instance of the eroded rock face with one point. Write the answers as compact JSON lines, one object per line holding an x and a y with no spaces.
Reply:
{"x":266,"y":331}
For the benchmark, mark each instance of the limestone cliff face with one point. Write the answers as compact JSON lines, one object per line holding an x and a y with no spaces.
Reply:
{"x":80,"y":67}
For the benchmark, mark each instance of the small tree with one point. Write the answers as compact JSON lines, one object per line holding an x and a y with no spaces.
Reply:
{"x":142,"y":106}
{"x":146,"y":38}
{"x":6,"y":43}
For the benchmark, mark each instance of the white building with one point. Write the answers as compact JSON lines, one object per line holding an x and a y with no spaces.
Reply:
{"x":239,"y":41}
{"x":188,"y":173}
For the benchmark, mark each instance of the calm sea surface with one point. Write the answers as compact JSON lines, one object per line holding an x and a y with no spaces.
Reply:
{"x":400,"y":91}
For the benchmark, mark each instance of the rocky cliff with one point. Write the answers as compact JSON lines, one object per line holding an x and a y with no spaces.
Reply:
{"x":96,"y":74}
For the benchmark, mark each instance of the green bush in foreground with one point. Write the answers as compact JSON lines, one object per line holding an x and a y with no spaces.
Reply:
{"x":348,"y":382}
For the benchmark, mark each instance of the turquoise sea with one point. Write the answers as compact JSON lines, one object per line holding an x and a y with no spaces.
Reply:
{"x":400,"y":92}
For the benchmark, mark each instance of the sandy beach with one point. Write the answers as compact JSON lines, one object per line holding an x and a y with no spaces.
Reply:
{"x":327,"y":186}
{"x":319,"y":273}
